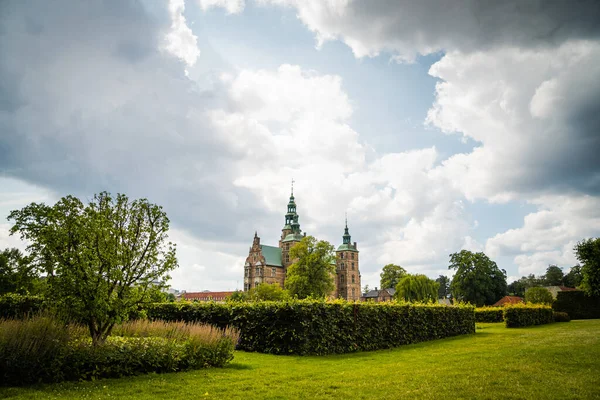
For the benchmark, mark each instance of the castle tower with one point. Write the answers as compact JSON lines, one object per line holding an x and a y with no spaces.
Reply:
{"x":291,"y":232}
{"x":347,"y":272}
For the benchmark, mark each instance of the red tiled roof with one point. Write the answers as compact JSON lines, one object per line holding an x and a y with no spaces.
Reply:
{"x":508,"y":300}
{"x":567,"y":289}
{"x":207,"y":296}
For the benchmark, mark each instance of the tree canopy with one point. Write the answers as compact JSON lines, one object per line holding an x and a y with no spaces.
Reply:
{"x":477,"y":280}
{"x":417,"y":288}
{"x":588,"y":253}
{"x":538,"y":295}
{"x":267,"y":292}
{"x":574,"y":277}
{"x":444,"y":289}
{"x":312,"y":271}
{"x":554,"y":276}
{"x":18,"y":274}
{"x":391,"y":275}
{"x":102,"y":259}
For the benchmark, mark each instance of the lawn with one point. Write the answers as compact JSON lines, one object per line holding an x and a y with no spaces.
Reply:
{"x":560,"y":360}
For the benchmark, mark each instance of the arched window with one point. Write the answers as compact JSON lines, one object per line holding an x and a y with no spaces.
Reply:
{"x":352,"y":279}
{"x":353,"y":266}
{"x":343,"y":266}
{"x":341,"y":279}
{"x":352,"y":255}
{"x":273,"y":271}
{"x":341,"y":255}
{"x":353,"y":293}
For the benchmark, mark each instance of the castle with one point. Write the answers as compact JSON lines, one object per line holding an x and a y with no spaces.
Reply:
{"x":268,"y":264}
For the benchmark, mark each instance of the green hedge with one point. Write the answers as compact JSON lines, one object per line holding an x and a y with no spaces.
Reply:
{"x":577,"y":304}
{"x":560,"y":316}
{"x":489,"y":314}
{"x":318,"y":327}
{"x":13,"y":305}
{"x":42,"y":349}
{"x":518,"y":315}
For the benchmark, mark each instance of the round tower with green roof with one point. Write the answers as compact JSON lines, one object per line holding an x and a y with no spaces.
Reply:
{"x":347,"y":272}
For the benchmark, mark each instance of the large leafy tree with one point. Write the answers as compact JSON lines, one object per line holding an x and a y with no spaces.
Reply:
{"x":478,"y":279}
{"x":391,"y":275}
{"x":417,"y":288}
{"x":102,"y":259}
{"x":267,"y":292}
{"x":574,"y":277}
{"x":588,"y":254}
{"x":444,"y":289}
{"x":538,"y":295}
{"x":312,"y":272}
{"x":554,"y":276}
{"x":18,"y":274}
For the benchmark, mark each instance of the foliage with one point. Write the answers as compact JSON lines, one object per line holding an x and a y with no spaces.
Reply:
{"x":538,"y":295}
{"x":554,"y":276}
{"x":268,"y":292}
{"x":518,"y":315}
{"x":489,"y":314}
{"x":101,"y":259}
{"x":42,"y":349}
{"x":588,"y":254}
{"x":14,"y":305}
{"x":574,"y":277}
{"x":318,"y":327}
{"x":18,"y":274}
{"x":444,"y":289}
{"x":417,"y":288}
{"x":519,"y":287}
{"x":311,"y":274}
{"x":577,"y":304}
{"x":238,"y":295}
{"x":391,"y":275}
{"x":477,"y":280}
{"x":561,"y":317}
{"x":366,"y":289}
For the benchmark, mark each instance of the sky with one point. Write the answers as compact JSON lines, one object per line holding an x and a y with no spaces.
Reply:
{"x":435,"y":126}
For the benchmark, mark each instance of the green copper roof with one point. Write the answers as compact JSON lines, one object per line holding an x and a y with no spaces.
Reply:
{"x":272,"y":255}
{"x":347,"y":247}
{"x":292,"y":237}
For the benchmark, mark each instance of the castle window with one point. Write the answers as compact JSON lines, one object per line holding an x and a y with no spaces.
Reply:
{"x":352,"y":255}
{"x":352,"y":278}
{"x":353,"y":293}
{"x":246,"y":271}
{"x":343,"y":266}
{"x":287,"y":257}
{"x":341,"y":255}
{"x":273,"y":271}
{"x":352,"y":265}
{"x":341,"y":279}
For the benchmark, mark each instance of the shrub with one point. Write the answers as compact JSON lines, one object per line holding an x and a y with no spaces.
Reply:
{"x":41,"y":349}
{"x":319,"y":327}
{"x":489,"y":314}
{"x":13,"y":305}
{"x":577,"y":304}
{"x":518,"y":315}
{"x":561,"y":317}
{"x":538,"y":295}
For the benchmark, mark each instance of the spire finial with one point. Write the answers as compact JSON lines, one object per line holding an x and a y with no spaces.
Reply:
{"x":293,"y":186}
{"x":346,"y":219}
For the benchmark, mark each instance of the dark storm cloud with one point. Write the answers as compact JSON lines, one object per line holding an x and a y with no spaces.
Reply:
{"x":88,"y":102}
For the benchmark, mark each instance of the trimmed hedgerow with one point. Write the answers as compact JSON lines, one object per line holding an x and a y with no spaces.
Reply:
{"x":42,"y":349}
{"x":318,"y":327}
{"x":489,"y":314}
{"x":518,"y":315}
{"x":13,"y":305}
{"x":577,"y":304}
{"x":561,"y":317}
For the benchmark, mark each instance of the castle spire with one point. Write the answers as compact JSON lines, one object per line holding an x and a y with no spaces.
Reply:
{"x":346,"y":238}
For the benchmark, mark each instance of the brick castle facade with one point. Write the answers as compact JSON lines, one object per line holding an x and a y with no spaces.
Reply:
{"x":268,"y":264}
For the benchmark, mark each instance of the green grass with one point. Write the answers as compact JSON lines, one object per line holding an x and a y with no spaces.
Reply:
{"x":560,"y":360}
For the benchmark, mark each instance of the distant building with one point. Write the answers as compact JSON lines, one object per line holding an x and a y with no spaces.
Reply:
{"x":269,"y":264}
{"x":379,"y":296}
{"x":554,"y":290}
{"x":508,"y":300}
{"x":206,"y":296}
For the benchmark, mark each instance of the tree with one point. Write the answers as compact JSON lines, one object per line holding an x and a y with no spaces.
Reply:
{"x":417,"y":288}
{"x":478,"y":279}
{"x":312,"y":272}
{"x":574,"y":277}
{"x":538,"y":295}
{"x":516,"y":288}
{"x":391,"y":275}
{"x":554,"y":276}
{"x":237,"y":296}
{"x":102,"y":259}
{"x":444,"y":290}
{"x":588,"y":253}
{"x":366,"y":289}
{"x":18,"y":274}
{"x":267,"y":292}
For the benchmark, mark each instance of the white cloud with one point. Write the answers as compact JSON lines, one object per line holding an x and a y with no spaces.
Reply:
{"x":231,"y":6}
{"x":180,"y":40}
